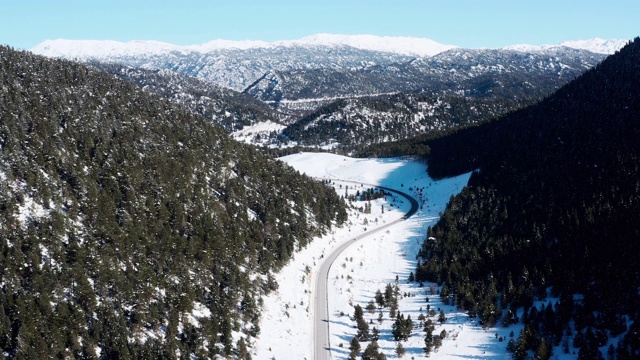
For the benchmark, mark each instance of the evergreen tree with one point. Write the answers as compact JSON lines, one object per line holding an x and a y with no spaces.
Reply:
{"x":372,"y":352}
{"x":354,"y":348}
{"x":400,"y":350}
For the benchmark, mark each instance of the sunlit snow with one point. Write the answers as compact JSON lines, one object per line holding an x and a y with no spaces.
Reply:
{"x":368,"y":265}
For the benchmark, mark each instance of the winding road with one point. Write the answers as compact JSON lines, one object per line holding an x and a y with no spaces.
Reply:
{"x":322,"y":344}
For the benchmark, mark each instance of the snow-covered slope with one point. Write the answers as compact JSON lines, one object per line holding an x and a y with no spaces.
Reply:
{"x":400,"y":45}
{"x":100,"y":49}
{"x":598,"y":46}
{"x":410,"y":46}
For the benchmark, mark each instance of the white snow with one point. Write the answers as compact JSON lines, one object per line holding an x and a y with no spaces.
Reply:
{"x":367,"y":265}
{"x":100,"y":48}
{"x":411,"y":46}
{"x":258,"y":133}
{"x":108,"y":48}
{"x":597,"y":45}
{"x":394,"y":44}
{"x":28,"y":210}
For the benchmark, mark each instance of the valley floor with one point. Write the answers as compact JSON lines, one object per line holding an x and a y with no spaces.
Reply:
{"x":369,"y":265}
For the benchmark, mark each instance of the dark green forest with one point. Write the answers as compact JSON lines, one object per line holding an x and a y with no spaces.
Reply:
{"x":551,"y":209}
{"x":227,"y":108}
{"x":122,"y":213}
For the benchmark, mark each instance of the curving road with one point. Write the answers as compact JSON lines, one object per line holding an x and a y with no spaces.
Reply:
{"x":322,"y":345}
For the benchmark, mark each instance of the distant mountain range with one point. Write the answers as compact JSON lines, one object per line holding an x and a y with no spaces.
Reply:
{"x":302,"y":79}
{"x":410,"y":46}
{"x":99,"y":49}
{"x":238,"y":64}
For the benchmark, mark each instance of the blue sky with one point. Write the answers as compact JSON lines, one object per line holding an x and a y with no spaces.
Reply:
{"x":466,"y":23}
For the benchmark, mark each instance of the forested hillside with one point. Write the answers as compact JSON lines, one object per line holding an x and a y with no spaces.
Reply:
{"x":131,"y":228}
{"x":552,"y":205}
{"x":462,"y":71}
{"x":228,"y":108}
{"x":357,"y":123}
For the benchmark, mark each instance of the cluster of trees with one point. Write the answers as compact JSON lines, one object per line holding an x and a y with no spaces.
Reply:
{"x":432,"y":342}
{"x":551,"y":205}
{"x":548,"y":326}
{"x":486,"y":73}
{"x":382,"y":300}
{"x":402,"y":328}
{"x":367,"y":195}
{"x":124,"y":217}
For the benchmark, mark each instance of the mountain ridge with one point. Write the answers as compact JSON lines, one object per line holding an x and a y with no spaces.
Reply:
{"x":403,"y":45}
{"x":97,"y":49}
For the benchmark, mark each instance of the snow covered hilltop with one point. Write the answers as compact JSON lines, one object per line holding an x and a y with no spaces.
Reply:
{"x":410,"y":46}
{"x":99,"y":49}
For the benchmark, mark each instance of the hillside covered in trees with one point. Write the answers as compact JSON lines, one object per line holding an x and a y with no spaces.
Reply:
{"x":225,"y":107}
{"x":131,"y":228}
{"x":551,"y":208}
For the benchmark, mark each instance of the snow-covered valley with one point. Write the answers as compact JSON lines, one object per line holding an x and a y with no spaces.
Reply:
{"x":371,"y":264}
{"x":366,"y":266}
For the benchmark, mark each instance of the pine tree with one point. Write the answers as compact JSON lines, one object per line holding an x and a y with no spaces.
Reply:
{"x":372,"y":352}
{"x":400,"y":350}
{"x":354,"y":348}
{"x":375,"y":334}
{"x":543,"y":352}
{"x":380,"y":298}
{"x":442,"y":317}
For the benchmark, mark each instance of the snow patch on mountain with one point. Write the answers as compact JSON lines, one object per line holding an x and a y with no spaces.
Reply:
{"x":597,"y":45}
{"x":400,"y":45}
{"x":100,"y":49}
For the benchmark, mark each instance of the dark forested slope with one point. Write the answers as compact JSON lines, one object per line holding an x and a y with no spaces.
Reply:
{"x":228,"y":108}
{"x":554,"y":203}
{"x":130,"y":228}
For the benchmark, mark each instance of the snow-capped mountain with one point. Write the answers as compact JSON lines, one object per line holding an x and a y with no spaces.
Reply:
{"x":98,"y":49}
{"x":258,"y":66}
{"x":598,"y":46}
{"x":238,"y":64}
{"x":410,"y":46}
{"x":235,"y":68}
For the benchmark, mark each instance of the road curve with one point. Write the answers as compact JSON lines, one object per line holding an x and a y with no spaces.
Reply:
{"x":322,"y":344}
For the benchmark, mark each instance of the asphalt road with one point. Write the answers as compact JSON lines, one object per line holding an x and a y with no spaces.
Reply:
{"x":322,"y":345}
